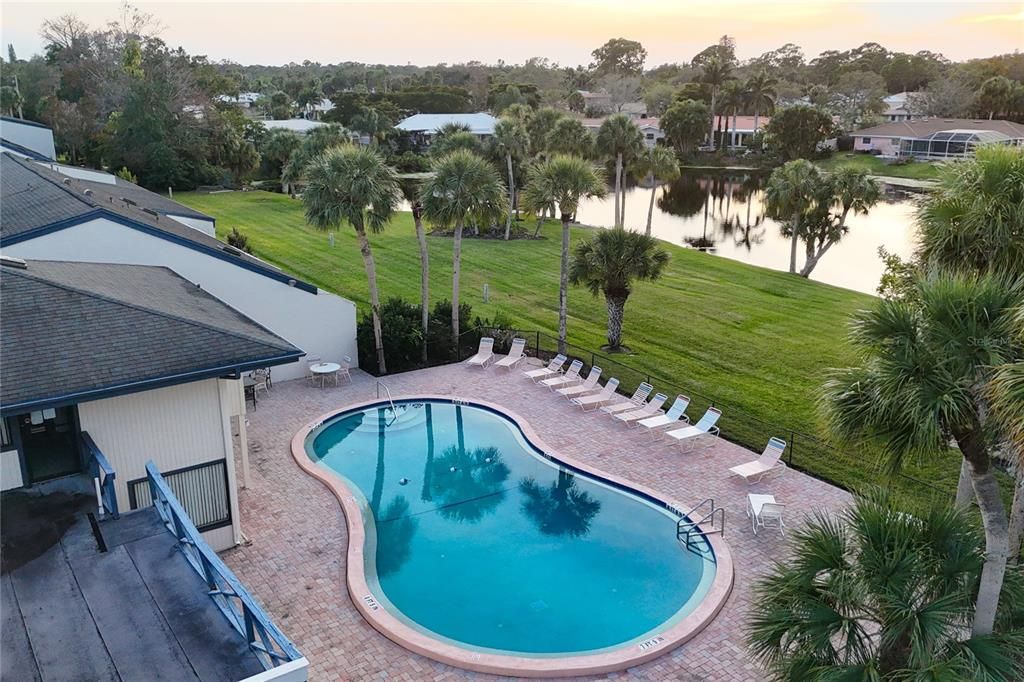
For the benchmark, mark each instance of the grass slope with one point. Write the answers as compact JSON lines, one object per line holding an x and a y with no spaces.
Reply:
{"x":915,"y":170}
{"x":756,"y":340}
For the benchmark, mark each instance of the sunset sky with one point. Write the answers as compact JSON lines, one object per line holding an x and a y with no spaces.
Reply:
{"x":253,"y":32}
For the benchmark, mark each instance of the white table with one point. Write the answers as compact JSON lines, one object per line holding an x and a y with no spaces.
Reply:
{"x":755,"y":503}
{"x":325,"y":369}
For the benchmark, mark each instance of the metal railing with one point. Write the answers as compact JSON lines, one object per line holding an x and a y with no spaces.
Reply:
{"x":806,"y":452}
{"x":264,"y":638}
{"x":104,"y":475}
{"x":202,"y":489}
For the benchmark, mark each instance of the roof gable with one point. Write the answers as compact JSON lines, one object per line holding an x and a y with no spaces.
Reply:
{"x":80,"y":331}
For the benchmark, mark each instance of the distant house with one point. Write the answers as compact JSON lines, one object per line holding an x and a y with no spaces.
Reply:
{"x":649,"y":127}
{"x":935,"y":138}
{"x":26,"y":139}
{"x":739,"y":130}
{"x":314,"y":110}
{"x":245,"y":100}
{"x":897,"y":107}
{"x":423,"y":127}
{"x":296,"y":125}
{"x":596,"y":102}
{"x":66,"y":215}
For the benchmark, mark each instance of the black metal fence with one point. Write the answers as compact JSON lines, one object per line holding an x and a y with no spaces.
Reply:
{"x":202,"y":489}
{"x":805,"y":452}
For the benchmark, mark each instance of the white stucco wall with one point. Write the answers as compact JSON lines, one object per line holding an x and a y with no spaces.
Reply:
{"x":200,"y":224}
{"x":36,"y":138}
{"x":176,"y":427}
{"x":321,"y":324}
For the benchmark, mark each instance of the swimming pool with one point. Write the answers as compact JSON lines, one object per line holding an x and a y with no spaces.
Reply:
{"x":481,"y":546}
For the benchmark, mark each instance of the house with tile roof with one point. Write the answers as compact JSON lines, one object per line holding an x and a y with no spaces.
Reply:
{"x":935,"y":139}
{"x":55,"y":212}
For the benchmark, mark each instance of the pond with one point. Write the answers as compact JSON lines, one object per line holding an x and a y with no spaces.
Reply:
{"x":724,"y":213}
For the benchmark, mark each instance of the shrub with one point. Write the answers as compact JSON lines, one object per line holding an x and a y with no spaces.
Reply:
{"x":239,"y":240}
{"x":403,"y":335}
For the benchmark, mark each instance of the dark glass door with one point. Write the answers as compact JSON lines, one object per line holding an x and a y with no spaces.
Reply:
{"x":48,"y":443}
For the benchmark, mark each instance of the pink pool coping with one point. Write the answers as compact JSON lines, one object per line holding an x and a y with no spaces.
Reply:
{"x":503,"y":664}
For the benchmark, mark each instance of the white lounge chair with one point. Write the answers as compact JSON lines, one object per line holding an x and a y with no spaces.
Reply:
{"x":675,"y":414}
{"x":770,"y":460}
{"x":649,"y":409}
{"x":484,"y":353}
{"x":596,"y":400}
{"x":705,"y":427}
{"x":589,"y":385}
{"x":571,"y":376}
{"x":631,"y":403}
{"x":553,"y":368}
{"x":515,"y":355}
{"x":765,"y":512}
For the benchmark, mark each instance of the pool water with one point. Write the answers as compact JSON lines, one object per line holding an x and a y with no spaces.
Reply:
{"x":478,"y":539}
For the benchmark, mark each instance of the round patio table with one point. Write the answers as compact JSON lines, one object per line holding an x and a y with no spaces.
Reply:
{"x":323,"y":370}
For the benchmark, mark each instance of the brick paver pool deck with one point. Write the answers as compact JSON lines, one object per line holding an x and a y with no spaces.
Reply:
{"x":294,"y":561}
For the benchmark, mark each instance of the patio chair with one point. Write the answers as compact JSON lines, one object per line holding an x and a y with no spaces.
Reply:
{"x":571,"y":376}
{"x":675,"y":414}
{"x":649,"y":409}
{"x":589,"y":385}
{"x":343,"y":372}
{"x":704,"y":428}
{"x":310,"y":361}
{"x":631,"y":403}
{"x":770,"y":460}
{"x":554,"y":367}
{"x":765,"y":512}
{"x":596,"y":400}
{"x":260,"y":380}
{"x":483,"y":354}
{"x":515,"y":355}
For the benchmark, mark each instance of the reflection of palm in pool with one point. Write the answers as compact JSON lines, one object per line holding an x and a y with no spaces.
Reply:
{"x":561,"y":509}
{"x":466,"y":485}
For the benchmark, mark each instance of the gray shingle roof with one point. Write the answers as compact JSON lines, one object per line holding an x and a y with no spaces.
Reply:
{"x":32,"y":197}
{"x":77,"y":331}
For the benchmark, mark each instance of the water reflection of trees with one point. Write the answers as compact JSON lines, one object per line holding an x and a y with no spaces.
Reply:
{"x":395,"y":529}
{"x":474,"y":488}
{"x":560,"y":509}
{"x":684,"y":198}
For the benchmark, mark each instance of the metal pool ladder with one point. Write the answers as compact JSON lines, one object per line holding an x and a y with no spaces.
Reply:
{"x":394,"y":410}
{"x":687,"y":528}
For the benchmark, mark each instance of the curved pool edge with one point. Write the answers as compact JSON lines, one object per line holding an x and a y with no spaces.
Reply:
{"x":503,"y":664}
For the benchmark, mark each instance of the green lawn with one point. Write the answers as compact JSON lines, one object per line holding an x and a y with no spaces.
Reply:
{"x":915,"y":170}
{"x":755,"y":340}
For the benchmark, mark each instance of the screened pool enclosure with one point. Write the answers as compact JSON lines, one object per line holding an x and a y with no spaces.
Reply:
{"x":952,"y":144}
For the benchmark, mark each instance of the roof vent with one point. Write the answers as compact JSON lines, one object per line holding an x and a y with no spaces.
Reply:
{"x":151,"y":212}
{"x":11,"y":262}
{"x":128,"y":201}
{"x":87,"y":192}
{"x":232,"y":250}
{"x":66,"y":181}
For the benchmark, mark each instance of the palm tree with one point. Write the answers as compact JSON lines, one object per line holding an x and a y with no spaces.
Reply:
{"x":994,"y":95}
{"x":313,"y":144}
{"x":619,"y":138}
{"x":562,"y":181}
{"x":762,"y":89}
{"x":539,"y":126}
{"x":658,"y":164}
{"x":464,"y":187}
{"x":734,"y":98}
{"x":790,"y":194}
{"x":880,"y":592}
{"x":847,"y":190}
{"x":411,"y":190}
{"x":568,"y":136}
{"x":353,"y":185}
{"x":1006,"y":395}
{"x":512,"y":141}
{"x":974,"y":219}
{"x":716,"y":72}
{"x":609,"y":263}
{"x":924,"y":363}
{"x":561,"y":509}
